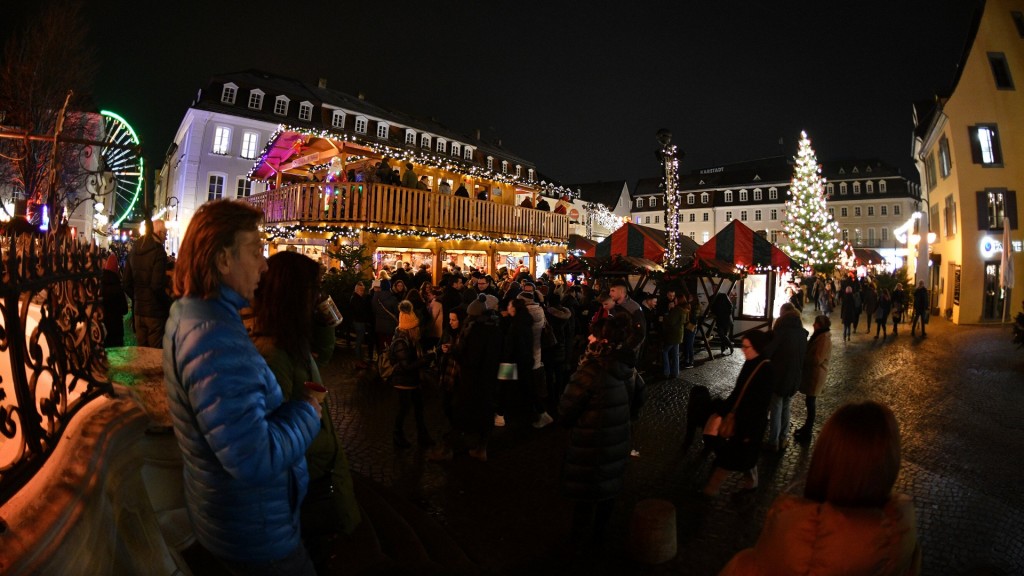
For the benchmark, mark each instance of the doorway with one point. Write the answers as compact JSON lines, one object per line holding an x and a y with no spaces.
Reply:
{"x":992,"y":305}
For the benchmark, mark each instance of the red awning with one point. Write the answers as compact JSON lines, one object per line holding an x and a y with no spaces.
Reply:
{"x":739,"y":246}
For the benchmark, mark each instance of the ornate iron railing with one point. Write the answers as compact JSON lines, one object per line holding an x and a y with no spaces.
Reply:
{"x":52,"y":361}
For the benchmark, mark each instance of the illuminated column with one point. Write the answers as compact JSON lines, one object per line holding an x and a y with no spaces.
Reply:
{"x":669,"y":158}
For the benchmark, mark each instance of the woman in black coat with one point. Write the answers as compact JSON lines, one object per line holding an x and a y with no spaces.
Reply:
{"x":479,"y":354}
{"x":739,"y":453}
{"x":595,"y":406}
{"x":115,"y":305}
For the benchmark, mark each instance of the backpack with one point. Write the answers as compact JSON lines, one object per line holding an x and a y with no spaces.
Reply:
{"x":384,"y":366}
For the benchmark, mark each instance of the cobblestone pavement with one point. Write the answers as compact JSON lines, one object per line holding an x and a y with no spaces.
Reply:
{"x":957,"y":395}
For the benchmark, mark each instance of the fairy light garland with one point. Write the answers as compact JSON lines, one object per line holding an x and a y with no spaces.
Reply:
{"x":812,"y":232}
{"x":670,"y":185}
{"x":291,"y":232}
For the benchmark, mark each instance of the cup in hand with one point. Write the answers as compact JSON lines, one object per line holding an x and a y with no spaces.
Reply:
{"x":328,"y":313}
{"x":316,"y":391}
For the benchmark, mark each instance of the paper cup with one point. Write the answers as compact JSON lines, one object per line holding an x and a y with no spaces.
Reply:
{"x":316,"y":391}
{"x":329,"y":313}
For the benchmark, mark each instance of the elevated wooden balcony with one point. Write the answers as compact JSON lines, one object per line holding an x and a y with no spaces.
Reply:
{"x":385,"y":206}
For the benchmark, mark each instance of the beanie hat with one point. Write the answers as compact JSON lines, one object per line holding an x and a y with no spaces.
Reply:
{"x":477,"y":307}
{"x":491,"y":302}
{"x":528,"y":296}
{"x":406,"y":317}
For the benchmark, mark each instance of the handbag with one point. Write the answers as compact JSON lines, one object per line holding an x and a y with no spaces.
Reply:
{"x":547,"y":336}
{"x":725,"y":426}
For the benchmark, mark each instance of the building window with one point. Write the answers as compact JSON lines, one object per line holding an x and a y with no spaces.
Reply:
{"x":529,"y":174}
{"x":639,"y":202}
{"x":519,"y":171}
{"x":832,"y":213}
{"x":227,"y":95}
{"x":693,"y":235}
{"x":705,"y":219}
{"x":881,"y":186}
{"x":757,"y":215}
{"x":842,"y":188}
{"x":743,"y":215}
{"x":843,"y":212}
{"x":856,"y":187}
{"x":773,"y":193}
{"x":250,"y":140}
{"x":871,"y":210}
{"x":728,"y":216}
{"x":743,"y":195}
{"x":774,"y":234}
{"x":410,"y":137}
{"x":1000,"y":70}
{"x":885,"y":235}
{"x":757,"y":194}
{"x":338,"y":119}
{"x":858,"y":238}
{"x":425,"y":141}
{"x":704,"y":198}
{"x":222,"y":140}
{"x":244,"y":187}
{"x":306,"y":111}
{"x":490,"y":162}
{"x":456,"y":149}
{"x":728,"y":195}
{"x":441,"y":146}
{"x":945,"y":162}
{"x":846,"y":236}
{"x":884,"y":210}
{"x":992,"y":204}
{"x":830,"y":189}
{"x":871,"y":237}
{"x":870,"y":186}
{"x":704,"y":236}
{"x":895,"y":209}
{"x":281,"y":105}
{"x":256,"y":99}
{"x":647,"y":219}
{"x":693,"y":217}
{"x":1018,"y":19}
{"x":690,"y":199}
{"x":361,"y":124}
{"x":657,"y":219}
{"x":985,"y":149}
{"x":216,"y":188}
{"x":856,"y":211}
{"x":774,"y":214}
{"x":929,"y":171}
{"x":382,"y":130}
{"x":467,"y":153}
{"x":504,"y":166}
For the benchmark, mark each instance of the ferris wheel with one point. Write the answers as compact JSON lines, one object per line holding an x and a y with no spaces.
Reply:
{"x":122,"y":159}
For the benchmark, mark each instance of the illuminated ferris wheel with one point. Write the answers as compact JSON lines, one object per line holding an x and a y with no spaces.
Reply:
{"x":122,"y":159}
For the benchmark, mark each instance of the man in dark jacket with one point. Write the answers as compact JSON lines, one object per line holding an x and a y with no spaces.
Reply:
{"x":145,"y":282}
{"x":360,"y":313}
{"x":786,"y":350}
{"x":920,"y":308}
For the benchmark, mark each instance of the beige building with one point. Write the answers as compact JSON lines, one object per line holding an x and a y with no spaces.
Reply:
{"x":969,"y":147}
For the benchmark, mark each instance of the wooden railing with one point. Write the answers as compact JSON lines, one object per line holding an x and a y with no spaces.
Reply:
{"x":364,"y":204}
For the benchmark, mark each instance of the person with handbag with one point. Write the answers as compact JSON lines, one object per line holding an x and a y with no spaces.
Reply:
{"x":409,"y":359}
{"x":744,"y":417}
{"x":296,"y":345}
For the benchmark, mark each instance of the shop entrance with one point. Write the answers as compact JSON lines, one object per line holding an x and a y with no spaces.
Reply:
{"x":992,"y":305}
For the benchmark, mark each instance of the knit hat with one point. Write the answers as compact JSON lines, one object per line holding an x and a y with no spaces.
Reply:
{"x":111,"y":263}
{"x":477,"y":307}
{"x":528,"y":296}
{"x":406,"y":317}
{"x":491,"y":302}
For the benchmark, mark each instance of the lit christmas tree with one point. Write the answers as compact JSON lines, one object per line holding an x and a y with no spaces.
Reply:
{"x":813,"y":234}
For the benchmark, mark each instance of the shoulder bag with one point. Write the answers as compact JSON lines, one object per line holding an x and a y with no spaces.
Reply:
{"x":727,"y":428}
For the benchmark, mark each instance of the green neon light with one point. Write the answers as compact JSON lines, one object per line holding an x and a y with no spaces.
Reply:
{"x":142,"y":172}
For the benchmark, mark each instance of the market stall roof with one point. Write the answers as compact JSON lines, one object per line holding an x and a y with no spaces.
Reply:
{"x":577,"y":242}
{"x":605,"y":266}
{"x":737,"y":246}
{"x":639,"y":241}
{"x":867,"y":256}
{"x":292,"y":151}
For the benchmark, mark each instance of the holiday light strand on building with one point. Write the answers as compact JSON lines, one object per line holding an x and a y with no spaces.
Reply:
{"x":670,"y":184}
{"x":290,"y":232}
{"x":812,"y":232}
{"x":600,"y":214}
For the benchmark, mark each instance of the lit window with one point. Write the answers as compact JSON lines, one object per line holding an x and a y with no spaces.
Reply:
{"x":704,"y":236}
{"x":250,"y":140}
{"x":858,"y":238}
{"x":425,"y":141}
{"x":690,"y":198}
{"x":410,"y":137}
{"x":361,"y":124}
{"x":244,"y":188}
{"x":306,"y":111}
{"x":773,"y":193}
{"x":382,"y":130}
{"x":728,"y":196}
{"x":256,"y":99}
{"x":441,"y":146}
{"x":993,"y":201}
{"x":222,"y":140}
{"x":338,"y":119}
{"x":757,"y":215}
{"x":227,"y":95}
{"x":743,"y":195}
{"x":216,"y":188}
{"x":281,"y":105}
{"x":871,"y":210}
{"x":985,"y":149}
{"x":757,"y":194}
{"x":846,"y":235}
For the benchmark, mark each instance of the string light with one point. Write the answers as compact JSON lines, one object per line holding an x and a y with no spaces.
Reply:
{"x":670,"y":185}
{"x":290,"y":232}
{"x":813,"y":233}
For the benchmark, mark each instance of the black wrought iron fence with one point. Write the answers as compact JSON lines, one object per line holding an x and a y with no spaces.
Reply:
{"x":52,"y":361}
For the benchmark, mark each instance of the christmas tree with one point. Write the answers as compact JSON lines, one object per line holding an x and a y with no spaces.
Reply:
{"x":813,"y":234}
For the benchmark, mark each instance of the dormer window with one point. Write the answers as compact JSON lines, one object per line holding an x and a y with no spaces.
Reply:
{"x":490,"y":162}
{"x":773,"y":193}
{"x":361,"y":124}
{"x":704,"y":198}
{"x":870,"y":187}
{"x":338,"y":119}
{"x":382,"y":130}
{"x":441,"y":145}
{"x":855,"y":170}
{"x":281,"y":105}
{"x":842,"y":170}
{"x":504,"y":166}
{"x":856,"y":187}
{"x":691,"y":199}
{"x":868,"y":169}
{"x":881,"y":186}
{"x":728,"y":197}
{"x":842,"y":188}
{"x":467,"y":153}
{"x":519,"y":171}
{"x":529,"y":174}
{"x":306,"y":111}
{"x":228,"y":93}
{"x":830,"y":189}
{"x":456,"y":149}
{"x":743,"y":197}
{"x":410,"y":136}
{"x":757,"y":194}
{"x":256,"y":99}
{"x":425,"y":141}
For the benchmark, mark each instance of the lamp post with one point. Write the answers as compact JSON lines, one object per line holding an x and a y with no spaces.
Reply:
{"x":669,"y":157}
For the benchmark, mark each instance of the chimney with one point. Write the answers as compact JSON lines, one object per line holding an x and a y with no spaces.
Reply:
{"x":322,"y":83}
{"x":499,"y":142}
{"x":477,"y":133}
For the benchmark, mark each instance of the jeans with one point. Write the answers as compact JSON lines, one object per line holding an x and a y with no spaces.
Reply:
{"x":779,"y":419}
{"x":670,"y":360}
{"x":913,"y":321}
{"x":360,"y":329}
{"x":149,"y":332}
{"x":688,"y":339}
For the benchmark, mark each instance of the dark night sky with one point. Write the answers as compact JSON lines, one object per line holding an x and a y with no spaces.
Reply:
{"x":579,"y":88}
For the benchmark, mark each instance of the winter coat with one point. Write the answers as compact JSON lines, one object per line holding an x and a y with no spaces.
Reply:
{"x":899,"y":304}
{"x":740,"y":452}
{"x":408,"y":359}
{"x":884,"y":307}
{"x":537,"y":326}
{"x":145,"y":279}
{"x":870,"y":300}
{"x":595,"y":406}
{"x":518,"y":344}
{"x":360,"y":309}
{"x":819,"y":352}
{"x":562,"y":326}
{"x":673,"y":324}
{"x":920,"y":300}
{"x":409,"y":179}
{"x":325,"y":457}
{"x":243,"y":446}
{"x":385,"y":312}
{"x":115,"y":306}
{"x":478,"y":354}
{"x":850,"y":308}
{"x":786,"y":350}
{"x":801,"y":536}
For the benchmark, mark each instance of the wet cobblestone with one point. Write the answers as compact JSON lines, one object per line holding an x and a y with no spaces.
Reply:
{"x":957,"y":394}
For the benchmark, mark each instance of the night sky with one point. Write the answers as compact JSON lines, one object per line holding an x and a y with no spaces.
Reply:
{"x":579,"y":88}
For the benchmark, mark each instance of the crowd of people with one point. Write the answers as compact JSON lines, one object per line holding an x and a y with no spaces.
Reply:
{"x":863,"y":297}
{"x":267,"y":480}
